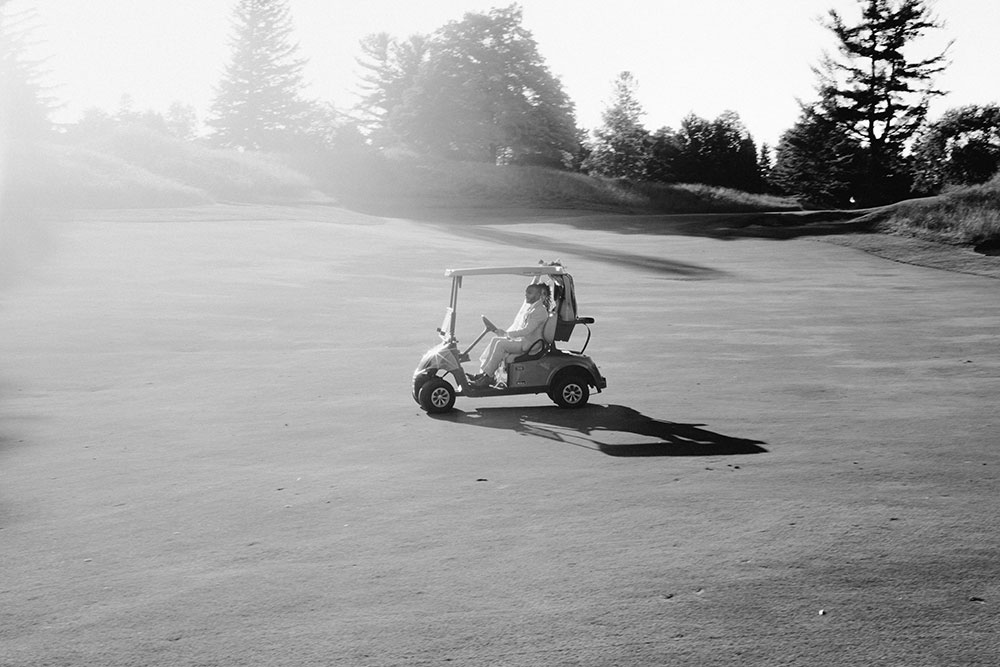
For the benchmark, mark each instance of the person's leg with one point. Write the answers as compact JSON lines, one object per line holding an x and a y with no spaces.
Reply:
{"x":495,"y":353}
{"x":488,"y":353}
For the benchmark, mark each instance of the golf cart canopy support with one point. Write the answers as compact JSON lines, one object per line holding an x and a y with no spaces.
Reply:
{"x":536,"y":270}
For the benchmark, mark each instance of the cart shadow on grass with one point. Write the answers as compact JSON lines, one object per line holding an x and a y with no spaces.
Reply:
{"x":614,"y":430}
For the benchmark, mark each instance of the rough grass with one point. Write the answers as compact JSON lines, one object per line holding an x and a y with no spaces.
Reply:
{"x":961,"y":216}
{"x":393,"y":180}
{"x":137,"y":167}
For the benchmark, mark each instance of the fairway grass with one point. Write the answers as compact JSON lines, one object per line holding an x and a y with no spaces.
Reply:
{"x":211,"y":456}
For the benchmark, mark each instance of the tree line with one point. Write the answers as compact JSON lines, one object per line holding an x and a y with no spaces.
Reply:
{"x":478,"y":89}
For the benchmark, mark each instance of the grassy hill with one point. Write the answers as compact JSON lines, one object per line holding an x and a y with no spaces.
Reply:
{"x":967,"y":215}
{"x":134,"y":167}
{"x":139,"y":167}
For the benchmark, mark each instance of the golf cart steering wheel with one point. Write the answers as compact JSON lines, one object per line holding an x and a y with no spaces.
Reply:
{"x":489,"y":325}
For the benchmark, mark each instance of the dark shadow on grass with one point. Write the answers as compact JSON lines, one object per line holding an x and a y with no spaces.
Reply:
{"x":593,"y":426}
{"x":777,"y":225}
{"x":722,"y":226}
{"x":682,"y":270}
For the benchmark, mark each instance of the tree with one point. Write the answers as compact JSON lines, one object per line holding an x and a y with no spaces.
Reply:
{"x":484,"y":93}
{"x":391,"y":69}
{"x":24,"y":107}
{"x":621,"y":147}
{"x":817,"y":161}
{"x":720,"y":152}
{"x":875,"y":92}
{"x":181,"y":121}
{"x":962,"y":148}
{"x":665,"y":147}
{"x":258,"y":103}
{"x":764,"y":163}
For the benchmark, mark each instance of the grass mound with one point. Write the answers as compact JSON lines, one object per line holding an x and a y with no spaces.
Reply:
{"x":134,"y":167}
{"x":395,"y":180}
{"x":968,"y":215}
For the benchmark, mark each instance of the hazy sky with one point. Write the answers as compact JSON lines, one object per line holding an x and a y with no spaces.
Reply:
{"x":701,"y":56}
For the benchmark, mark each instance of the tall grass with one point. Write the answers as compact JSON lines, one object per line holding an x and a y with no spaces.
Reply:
{"x":968,"y":215}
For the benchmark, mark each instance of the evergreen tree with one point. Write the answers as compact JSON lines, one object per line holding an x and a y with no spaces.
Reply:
{"x":764,"y":164}
{"x":24,"y":106}
{"x":962,"y":148}
{"x":181,"y":121}
{"x":664,"y":150}
{"x":719,"y":152}
{"x":258,"y":103}
{"x":874,"y":92}
{"x":391,"y":68}
{"x":817,"y":162}
{"x":621,"y":147}
{"x":484,"y":93}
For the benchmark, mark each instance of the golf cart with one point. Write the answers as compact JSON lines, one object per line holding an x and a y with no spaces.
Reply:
{"x":566,"y":376}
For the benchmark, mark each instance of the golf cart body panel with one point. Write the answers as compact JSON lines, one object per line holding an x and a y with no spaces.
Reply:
{"x":565,"y":376}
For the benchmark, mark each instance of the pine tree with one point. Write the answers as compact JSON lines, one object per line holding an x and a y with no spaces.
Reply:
{"x":258,"y":103}
{"x":622,"y":146}
{"x":874,"y":92}
{"x":391,"y":68}
{"x":24,"y":107}
{"x":817,"y":162}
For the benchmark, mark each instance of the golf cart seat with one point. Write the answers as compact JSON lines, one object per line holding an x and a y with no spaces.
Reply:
{"x":541,"y":346}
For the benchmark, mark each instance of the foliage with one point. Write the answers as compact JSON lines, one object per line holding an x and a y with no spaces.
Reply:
{"x":665,"y":148}
{"x":875,"y":93}
{"x":391,"y":69}
{"x":961,"y":148}
{"x":817,"y":162}
{"x":965,"y":215}
{"x":478,"y":89}
{"x":24,"y":105}
{"x":258,"y":103}
{"x":181,"y":121}
{"x":621,"y":147}
{"x":720,"y":152}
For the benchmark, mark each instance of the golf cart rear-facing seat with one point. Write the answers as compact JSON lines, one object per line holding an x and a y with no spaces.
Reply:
{"x":546,"y":343}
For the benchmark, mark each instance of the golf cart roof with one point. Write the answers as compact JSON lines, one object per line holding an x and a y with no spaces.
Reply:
{"x":536,"y":270}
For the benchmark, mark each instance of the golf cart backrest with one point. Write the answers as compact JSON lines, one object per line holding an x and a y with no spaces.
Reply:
{"x":564,"y":297}
{"x":543,"y":345}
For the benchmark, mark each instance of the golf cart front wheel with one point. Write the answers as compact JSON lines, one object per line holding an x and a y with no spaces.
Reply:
{"x":570,"y":392}
{"x":436,"y":396}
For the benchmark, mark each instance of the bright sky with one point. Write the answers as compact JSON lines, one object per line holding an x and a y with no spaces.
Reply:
{"x":701,"y":56}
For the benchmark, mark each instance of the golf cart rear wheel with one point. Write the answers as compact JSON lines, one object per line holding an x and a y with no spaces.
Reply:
{"x":436,"y":396}
{"x":570,"y":392}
